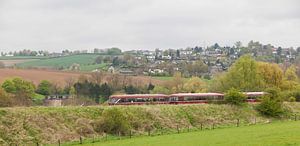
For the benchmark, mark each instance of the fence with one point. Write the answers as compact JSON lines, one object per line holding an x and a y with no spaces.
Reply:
{"x":160,"y":131}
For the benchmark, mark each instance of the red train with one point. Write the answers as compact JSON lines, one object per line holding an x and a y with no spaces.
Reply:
{"x":179,"y":98}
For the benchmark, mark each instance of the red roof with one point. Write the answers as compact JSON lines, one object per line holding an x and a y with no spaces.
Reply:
{"x":196,"y":94}
{"x":139,"y":96}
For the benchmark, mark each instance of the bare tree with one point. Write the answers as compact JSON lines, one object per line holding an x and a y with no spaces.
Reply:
{"x":97,"y":77}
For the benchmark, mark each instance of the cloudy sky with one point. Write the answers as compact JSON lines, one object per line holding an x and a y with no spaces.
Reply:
{"x":145,"y":24}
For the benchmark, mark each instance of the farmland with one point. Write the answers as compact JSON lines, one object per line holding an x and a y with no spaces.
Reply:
{"x":279,"y":134}
{"x":56,"y":76}
{"x":65,"y":62}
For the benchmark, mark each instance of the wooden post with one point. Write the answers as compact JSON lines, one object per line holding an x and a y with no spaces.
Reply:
{"x":161,"y":130}
{"x":149,"y":133}
{"x":106,"y":136}
{"x":201,"y":126}
{"x":130,"y":134}
{"x":188,"y":128}
{"x":213,"y":126}
{"x":177,"y":129}
{"x":80,"y":140}
{"x":59,"y":142}
{"x":37,"y":144}
{"x":93,"y":139}
{"x":119,"y":135}
{"x":255,"y":120}
{"x":238,"y":123}
{"x":295,"y":117}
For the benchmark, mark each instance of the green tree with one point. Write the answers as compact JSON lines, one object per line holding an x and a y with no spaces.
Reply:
{"x":160,"y":90}
{"x":271,"y":104}
{"x":16,"y":85}
{"x":242,"y":75}
{"x":113,"y":121}
{"x":44,"y":88}
{"x":235,"y":97}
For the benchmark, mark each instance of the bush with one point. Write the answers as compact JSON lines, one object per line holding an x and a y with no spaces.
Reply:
{"x":235,"y":97}
{"x":112,"y":121}
{"x":271,"y":104}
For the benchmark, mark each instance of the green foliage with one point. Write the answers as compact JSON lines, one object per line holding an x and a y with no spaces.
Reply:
{"x":44,"y":88}
{"x":271,"y":104}
{"x":18,"y":85}
{"x":160,"y":90}
{"x":242,"y":75}
{"x":235,"y":97}
{"x":112,"y":121}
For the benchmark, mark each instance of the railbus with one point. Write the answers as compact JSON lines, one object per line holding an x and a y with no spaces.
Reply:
{"x":178,"y":98}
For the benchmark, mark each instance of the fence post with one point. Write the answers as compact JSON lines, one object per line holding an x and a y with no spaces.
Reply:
{"x":106,"y":136}
{"x":37,"y":144}
{"x":177,"y":129}
{"x":119,"y":135}
{"x":93,"y":139}
{"x":201,"y":126}
{"x":238,"y":123}
{"x":59,"y":142}
{"x":161,"y":130}
{"x":130,"y":134}
{"x":213,"y":126}
{"x":188,"y":128}
{"x":255,"y":120}
{"x":295,"y":117}
{"x":149,"y":133}
{"x":80,"y":139}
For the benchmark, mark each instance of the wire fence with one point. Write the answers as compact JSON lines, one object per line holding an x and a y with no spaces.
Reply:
{"x":158,"y":131}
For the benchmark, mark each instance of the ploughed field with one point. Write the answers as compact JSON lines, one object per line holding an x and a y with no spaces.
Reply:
{"x":274,"y":134}
{"x":59,"y":77}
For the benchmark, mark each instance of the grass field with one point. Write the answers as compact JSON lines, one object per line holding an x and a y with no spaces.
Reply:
{"x":65,"y":62}
{"x":275,"y":134}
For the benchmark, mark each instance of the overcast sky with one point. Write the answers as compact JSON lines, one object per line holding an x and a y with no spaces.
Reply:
{"x":145,"y":24}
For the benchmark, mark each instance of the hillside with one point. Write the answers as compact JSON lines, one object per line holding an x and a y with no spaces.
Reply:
{"x":48,"y":125}
{"x":86,"y":62}
{"x":59,"y":77}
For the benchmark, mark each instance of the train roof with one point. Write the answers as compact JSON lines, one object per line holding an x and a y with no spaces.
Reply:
{"x":139,"y":96}
{"x":254,"y":93}
{"x":196,"y":94}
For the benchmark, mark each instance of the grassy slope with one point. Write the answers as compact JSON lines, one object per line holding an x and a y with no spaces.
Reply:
{"x":48,"y":124}
{"x":283,"y":133}
{"x":82,"y":59}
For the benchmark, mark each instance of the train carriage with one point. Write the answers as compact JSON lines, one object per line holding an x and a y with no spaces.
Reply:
{"x":179,"y":98}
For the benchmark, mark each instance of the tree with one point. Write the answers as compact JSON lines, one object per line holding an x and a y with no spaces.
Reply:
{"x":18,"y":85}
{"x":114,"y":51}
{"x":99,"y":60}
{"x":235,"y":97}
{"x":113,"y":121}
{"x":105,"y":91}
{"x":238,"y":44}
{"x":44,"y":88}
{"x":194,"y":85}
{"x":271,"y":74}
{"x":160,"y":90}
{"x":271,"y":104}
{"x":242,"y":75}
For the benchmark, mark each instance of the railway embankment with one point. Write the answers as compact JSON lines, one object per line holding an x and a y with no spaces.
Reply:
{"x":50,"y":124}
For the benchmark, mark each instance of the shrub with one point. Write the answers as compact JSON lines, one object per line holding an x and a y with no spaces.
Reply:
{"x":112,"y":121}
{"x":235,"y":97}
{"x":271,"y":104}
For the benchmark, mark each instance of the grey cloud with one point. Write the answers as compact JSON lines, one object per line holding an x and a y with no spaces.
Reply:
{"x":145,"y":24}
